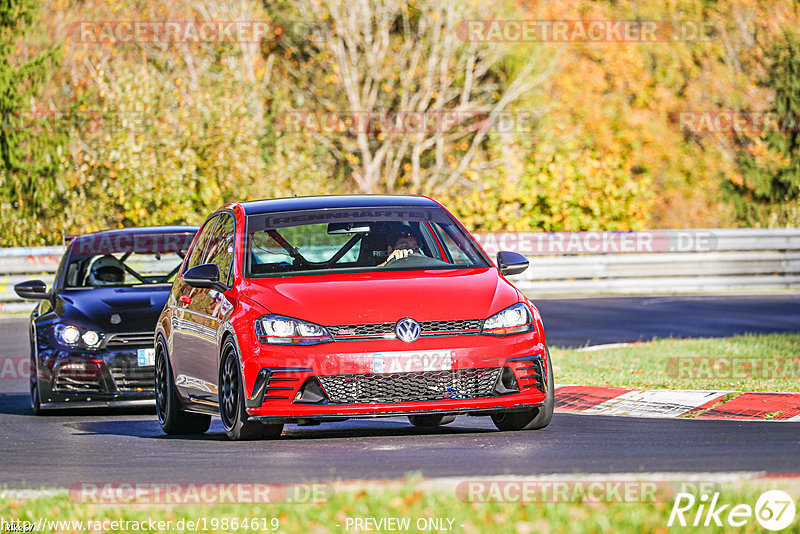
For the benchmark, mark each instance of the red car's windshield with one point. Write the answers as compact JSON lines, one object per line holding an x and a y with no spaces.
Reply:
{"x":359,"y":239}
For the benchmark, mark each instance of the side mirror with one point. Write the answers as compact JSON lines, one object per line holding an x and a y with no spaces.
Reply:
{"x":511,"y":262}
{"x":32,"y":289}
{"x":205,"y":275}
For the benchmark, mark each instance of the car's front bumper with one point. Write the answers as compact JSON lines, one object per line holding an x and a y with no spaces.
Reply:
{"x":98,"y":378}
{"x":275,"y":376}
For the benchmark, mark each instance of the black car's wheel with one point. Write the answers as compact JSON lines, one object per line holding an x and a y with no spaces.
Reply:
{"x":431,"y":420}
{"x":36,"y":403}
{"x":173,"y":420}
{"x":532,"y":419}
{"x":238,"y":425}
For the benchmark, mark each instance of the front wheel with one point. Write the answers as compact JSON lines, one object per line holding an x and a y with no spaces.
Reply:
{"x":173,"y":420}
{"x":534,"y":418}
{"x":237,"y":423}
{"x":36,"y":403}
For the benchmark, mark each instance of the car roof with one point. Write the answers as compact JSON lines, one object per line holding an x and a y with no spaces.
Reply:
{"x":254,"y":207}
{"x":141,"y":230}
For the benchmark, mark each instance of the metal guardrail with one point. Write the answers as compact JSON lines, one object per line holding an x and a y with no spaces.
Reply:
{"x":654,"y":262}
{"x":658,"y":261}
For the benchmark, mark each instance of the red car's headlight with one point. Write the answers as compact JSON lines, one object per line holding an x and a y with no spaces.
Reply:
{"x":282,"y":330}
{"x":515,"y":319}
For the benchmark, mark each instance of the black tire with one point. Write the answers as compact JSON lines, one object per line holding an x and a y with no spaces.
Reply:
{"x":237,"y":423}
{"x":172,"y":418}
{"x":431,"y":420}
{"x":534,"y":418}
{"x":36,"y":402}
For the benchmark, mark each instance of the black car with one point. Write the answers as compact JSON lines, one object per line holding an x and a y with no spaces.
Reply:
{"x":91,"y":335}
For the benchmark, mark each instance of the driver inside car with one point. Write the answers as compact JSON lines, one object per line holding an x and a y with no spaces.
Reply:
{"x":404,"y":246}
{"x":106,"y":271}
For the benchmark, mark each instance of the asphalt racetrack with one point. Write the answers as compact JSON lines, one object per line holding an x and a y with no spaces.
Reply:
{"x":127,"y":446}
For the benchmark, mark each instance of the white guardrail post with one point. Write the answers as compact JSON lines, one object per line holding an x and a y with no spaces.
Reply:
{"x":639,"y":262}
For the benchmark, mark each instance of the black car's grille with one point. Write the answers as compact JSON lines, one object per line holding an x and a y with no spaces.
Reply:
{"x":410,"y":387}
{"x":129,"y":376}
{"x":78,"y":377}
{"x":130,"y":339}
{"x":346,"y":332}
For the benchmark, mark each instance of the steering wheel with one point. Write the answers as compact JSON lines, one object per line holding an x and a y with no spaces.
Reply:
{"x":415,"y":260}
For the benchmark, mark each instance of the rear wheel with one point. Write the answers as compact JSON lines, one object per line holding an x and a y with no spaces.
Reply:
{"x":431,"y":420}
{"x":237,"y":423}
{"x":173,"y":420}
{"x":534,"y":418}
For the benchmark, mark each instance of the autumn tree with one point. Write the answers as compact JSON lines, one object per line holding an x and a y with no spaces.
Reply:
{"x":769,"y":193}
{"x":399,"y":60}
{"x":30,"y":148}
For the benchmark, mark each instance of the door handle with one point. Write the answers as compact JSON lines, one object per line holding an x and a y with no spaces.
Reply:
{"x":186,"y":299}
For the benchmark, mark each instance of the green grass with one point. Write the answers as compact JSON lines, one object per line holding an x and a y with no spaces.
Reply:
{"x":405,"y":501}
{"x":742,"y":363}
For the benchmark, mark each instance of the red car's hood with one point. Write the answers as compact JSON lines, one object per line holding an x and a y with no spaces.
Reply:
{"x":377,"y":297}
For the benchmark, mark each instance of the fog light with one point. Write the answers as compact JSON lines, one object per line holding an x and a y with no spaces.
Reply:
{"x":311,"y":393}
{"x":506,"y":383}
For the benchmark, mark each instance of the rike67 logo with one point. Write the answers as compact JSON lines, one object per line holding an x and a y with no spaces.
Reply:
{"x":774,"y":510}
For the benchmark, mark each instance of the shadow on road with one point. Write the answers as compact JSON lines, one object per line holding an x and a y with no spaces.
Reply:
{"x":118,"y":422}
{"x":19,"y":404}
{"x":334,"y":431}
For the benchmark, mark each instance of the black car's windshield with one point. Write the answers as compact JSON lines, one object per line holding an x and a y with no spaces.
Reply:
{"x":126,"y":260}
{"x":367,"y":239}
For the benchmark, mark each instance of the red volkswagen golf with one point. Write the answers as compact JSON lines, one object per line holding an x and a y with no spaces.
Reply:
{"x":305,"y":310}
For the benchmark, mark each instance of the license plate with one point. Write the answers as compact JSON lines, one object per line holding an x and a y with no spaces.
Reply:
{"x":147,"y":357}
{"x":409,"y":362}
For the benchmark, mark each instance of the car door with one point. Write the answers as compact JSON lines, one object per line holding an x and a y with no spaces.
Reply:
{"x":187,"y":331}
{"x":210,"y":308}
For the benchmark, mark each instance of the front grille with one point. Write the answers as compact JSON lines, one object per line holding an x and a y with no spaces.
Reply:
{"x":130,"y":339}
{"x":78,"y":377}
{"x":129,"y":376}
{"x":410,"y":387}
{"x":386,"y":330}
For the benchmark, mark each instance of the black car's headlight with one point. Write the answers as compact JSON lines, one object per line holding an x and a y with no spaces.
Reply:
{"x":282,"y":330}
{"x":72,"y":336}
{"x":515,"y":319}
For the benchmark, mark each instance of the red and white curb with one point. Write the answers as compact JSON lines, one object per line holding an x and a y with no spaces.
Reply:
{"x":688,"y":404}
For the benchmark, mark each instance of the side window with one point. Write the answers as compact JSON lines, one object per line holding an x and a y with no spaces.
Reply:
{"x":220,"y":247}
{"x":198,"y":251}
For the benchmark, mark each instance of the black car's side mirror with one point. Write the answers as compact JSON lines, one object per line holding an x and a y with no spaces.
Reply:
{"x":32,"y":289}
{"x":511,"y":262}
{"x":205,"y":275}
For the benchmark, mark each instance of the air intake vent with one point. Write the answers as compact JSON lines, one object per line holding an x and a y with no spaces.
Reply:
{"x":410,"y":387}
